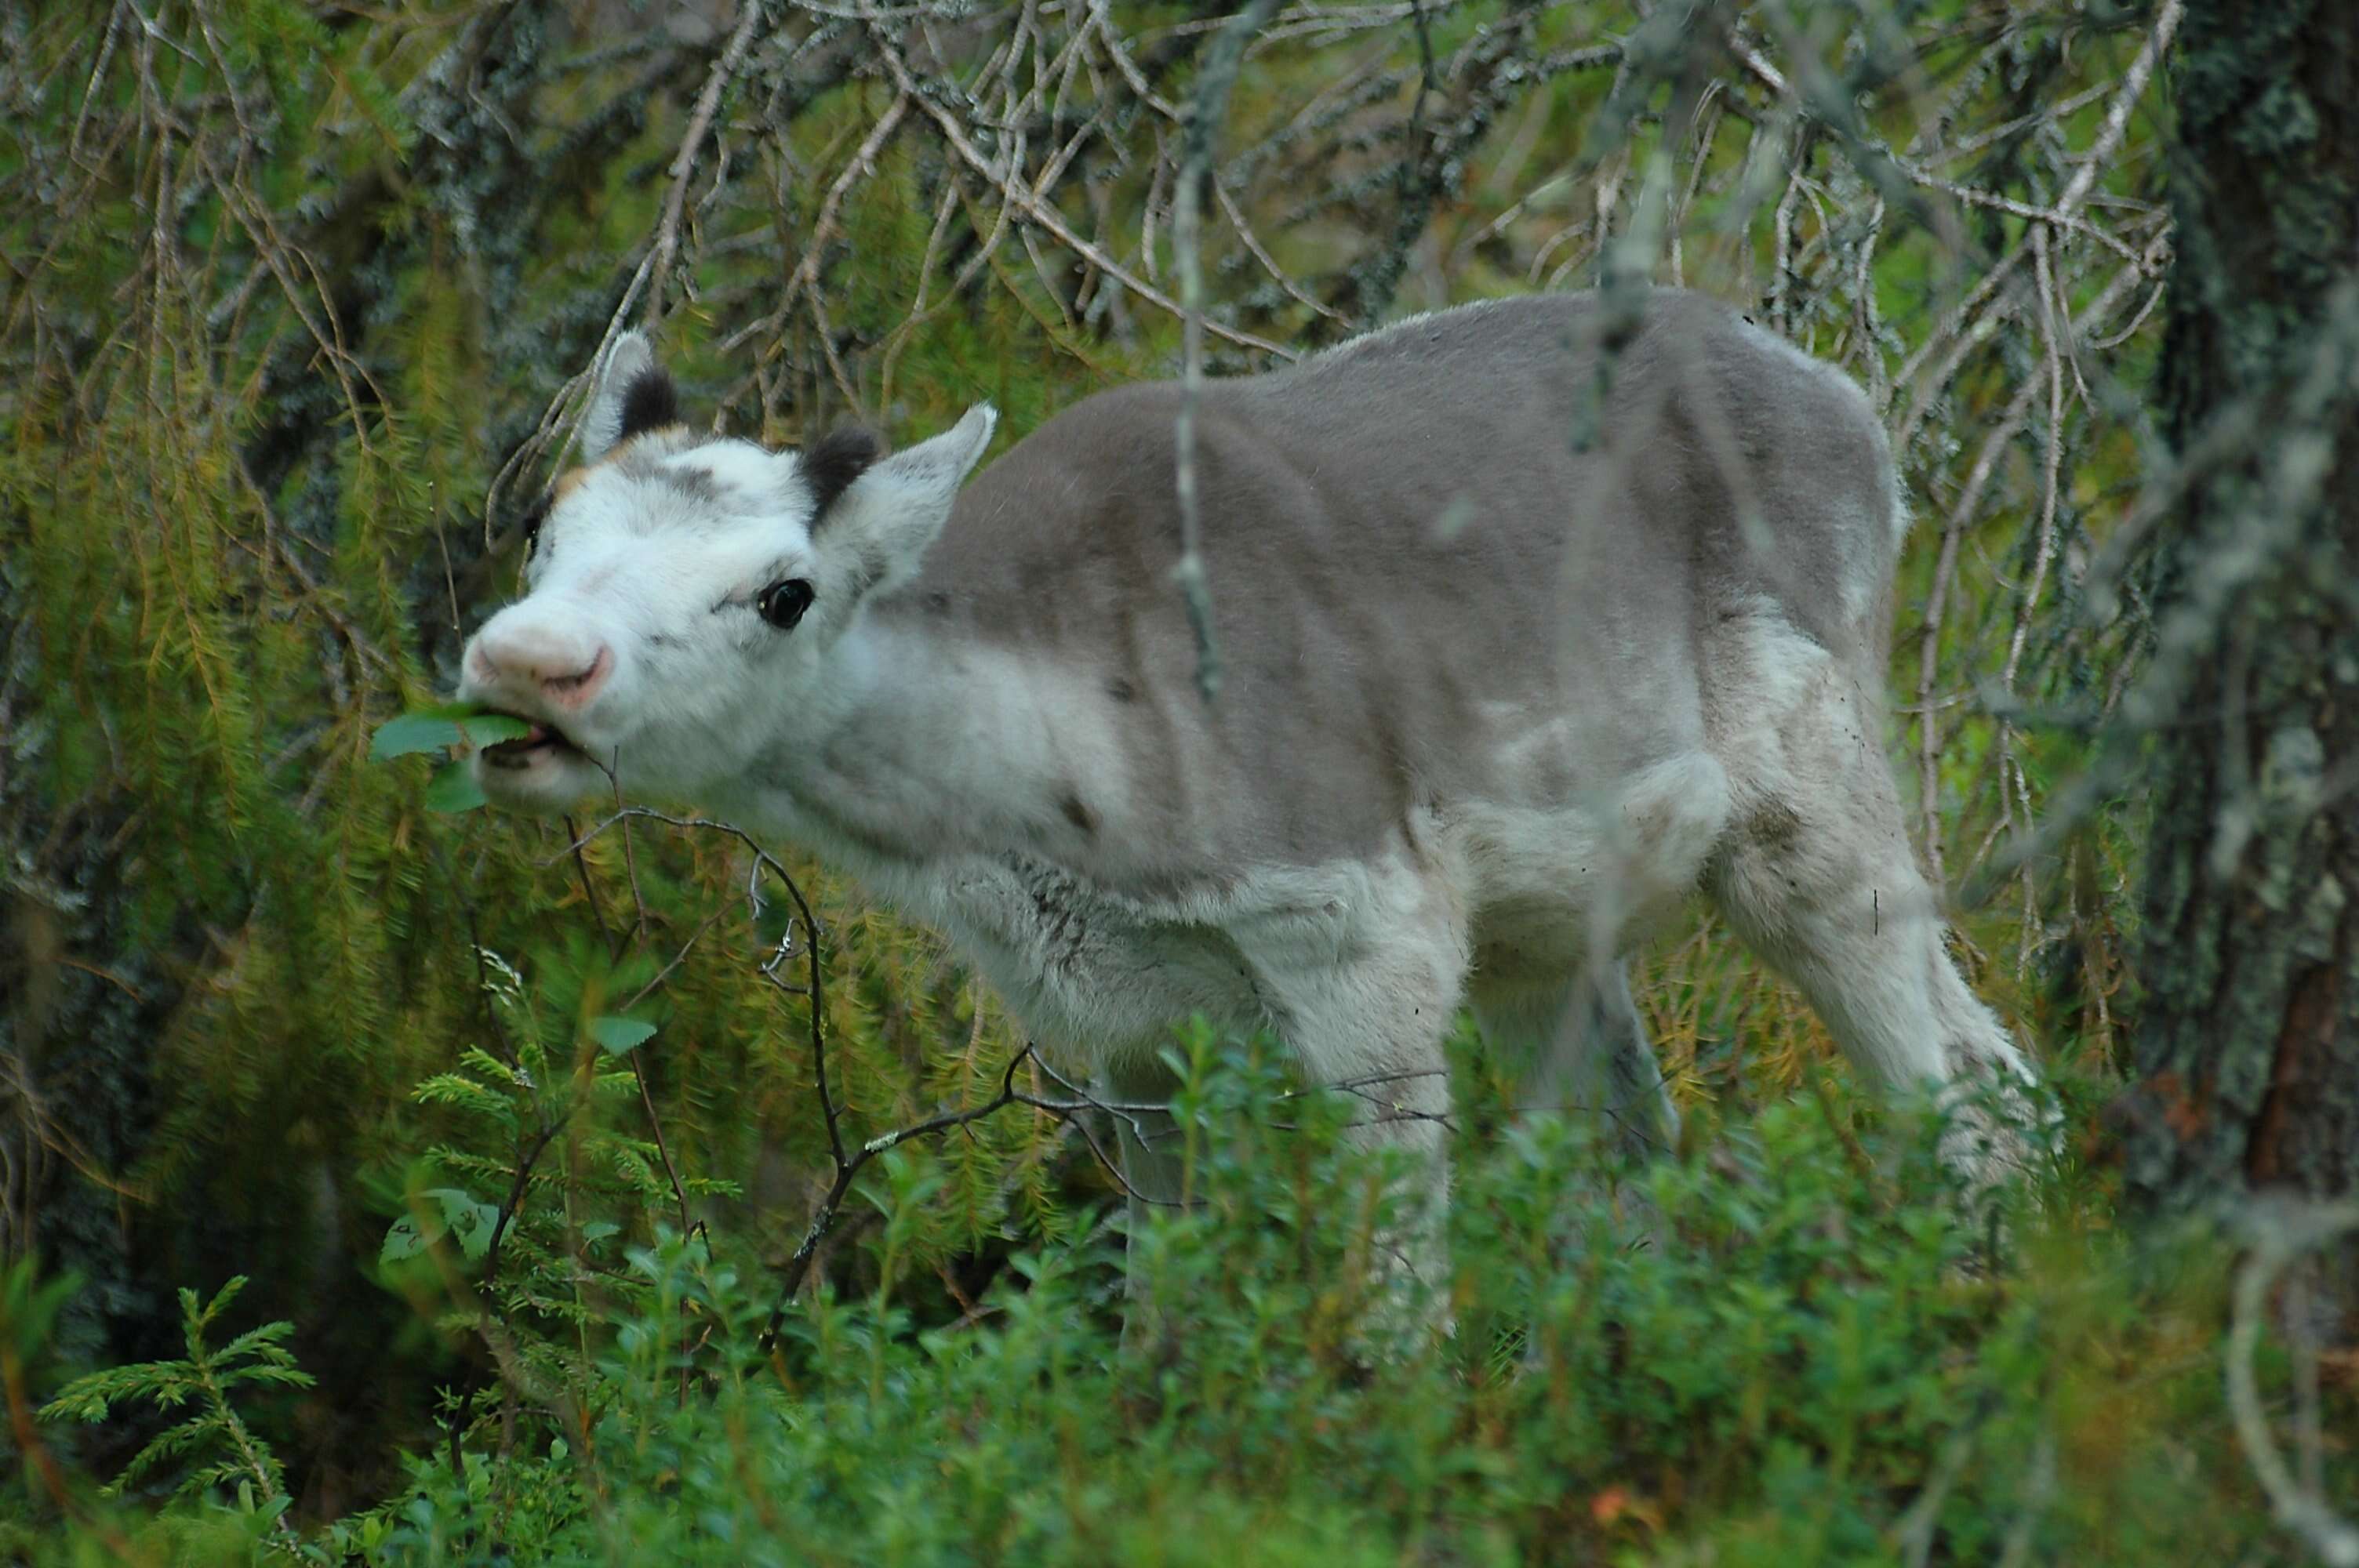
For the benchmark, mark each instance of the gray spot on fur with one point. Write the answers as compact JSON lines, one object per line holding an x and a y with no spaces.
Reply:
{"x":697,"y":484}
{"x":1774,"y":827}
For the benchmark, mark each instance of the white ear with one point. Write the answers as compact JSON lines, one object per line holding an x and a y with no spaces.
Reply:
{"x":631,"y":395}
{"x":893,"y":512}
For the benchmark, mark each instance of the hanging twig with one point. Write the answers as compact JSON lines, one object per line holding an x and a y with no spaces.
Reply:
{"x":683,"y":164}
{"x":1204,"y":114}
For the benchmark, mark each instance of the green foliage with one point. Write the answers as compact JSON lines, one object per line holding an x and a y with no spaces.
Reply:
{"x":620,"y":1036}
{"x":545,"y":1181}
{"x":1787,"y":1345}
{"x":211,"y":1447}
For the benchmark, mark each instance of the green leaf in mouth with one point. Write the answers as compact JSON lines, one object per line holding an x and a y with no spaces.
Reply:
{"x":446,"y":724}
{"x":454,"y":789}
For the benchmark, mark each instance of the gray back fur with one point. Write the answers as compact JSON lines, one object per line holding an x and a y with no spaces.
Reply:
{"x":1408,"y":547}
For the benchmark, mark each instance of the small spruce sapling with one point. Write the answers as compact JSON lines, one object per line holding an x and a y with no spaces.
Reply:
{"x":213,"y":1443}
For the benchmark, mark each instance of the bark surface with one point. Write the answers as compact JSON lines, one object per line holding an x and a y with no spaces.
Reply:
{"x":2248,"y":1054}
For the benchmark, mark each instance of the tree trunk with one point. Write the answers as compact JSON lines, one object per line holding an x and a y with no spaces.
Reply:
{"x":2248,"y":1052}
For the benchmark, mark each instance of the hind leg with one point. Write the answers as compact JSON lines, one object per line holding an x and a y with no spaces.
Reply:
{"x":1577,"y":1044}
{"x":1818,"y":876}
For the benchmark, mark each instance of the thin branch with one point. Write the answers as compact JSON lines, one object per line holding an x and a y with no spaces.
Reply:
{"x":1021,"y":197}
{"x":848,"y":1167}
{"x":2100,"y":154}
{"x":2282,"y":1233}
{"x":683,"y":164}
{"x":1205,"y":115}
{"x":487,"y":1320}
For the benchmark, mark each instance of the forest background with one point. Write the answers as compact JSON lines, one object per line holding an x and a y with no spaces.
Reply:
{"x":512,"y":1130}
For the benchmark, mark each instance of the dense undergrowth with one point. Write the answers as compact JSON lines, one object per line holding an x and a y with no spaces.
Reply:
{"x":1786,"y":1343}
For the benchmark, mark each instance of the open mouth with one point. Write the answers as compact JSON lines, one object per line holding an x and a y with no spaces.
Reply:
{"x":538,"y":742}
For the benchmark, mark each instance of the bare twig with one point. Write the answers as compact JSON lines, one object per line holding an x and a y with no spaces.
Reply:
{"x":2282,"y":1232}
{"x":528,"y":1154}
{"x":1204,"y":114}
{"x":848,"y":1167}
{"x":1020,"y":196}
{"x":683,"y":164}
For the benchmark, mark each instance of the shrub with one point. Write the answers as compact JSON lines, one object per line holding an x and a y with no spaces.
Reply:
{"x":1787,"y":1345}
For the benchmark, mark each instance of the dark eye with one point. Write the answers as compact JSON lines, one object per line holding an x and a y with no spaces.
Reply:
{"x":532,"y":522}
{"x":783,"y":603}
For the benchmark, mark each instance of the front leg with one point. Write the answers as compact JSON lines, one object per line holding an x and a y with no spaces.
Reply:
{"x":1372,"y":1023}
{"x":1153,"y":1171}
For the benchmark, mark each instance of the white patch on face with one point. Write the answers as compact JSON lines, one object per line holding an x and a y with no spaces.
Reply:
{"x":660,"y":558}
{"x":652,"y":568}
{"x":761,"y":477}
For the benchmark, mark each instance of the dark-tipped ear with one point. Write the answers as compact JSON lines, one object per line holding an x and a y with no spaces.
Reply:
{"x":828,"y":467}
{"x":895,"y":507}
{"x":649,"y":403}
{"x":632,"y":397}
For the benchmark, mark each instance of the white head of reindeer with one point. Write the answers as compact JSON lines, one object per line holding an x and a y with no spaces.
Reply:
{"x":687,"y":598}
